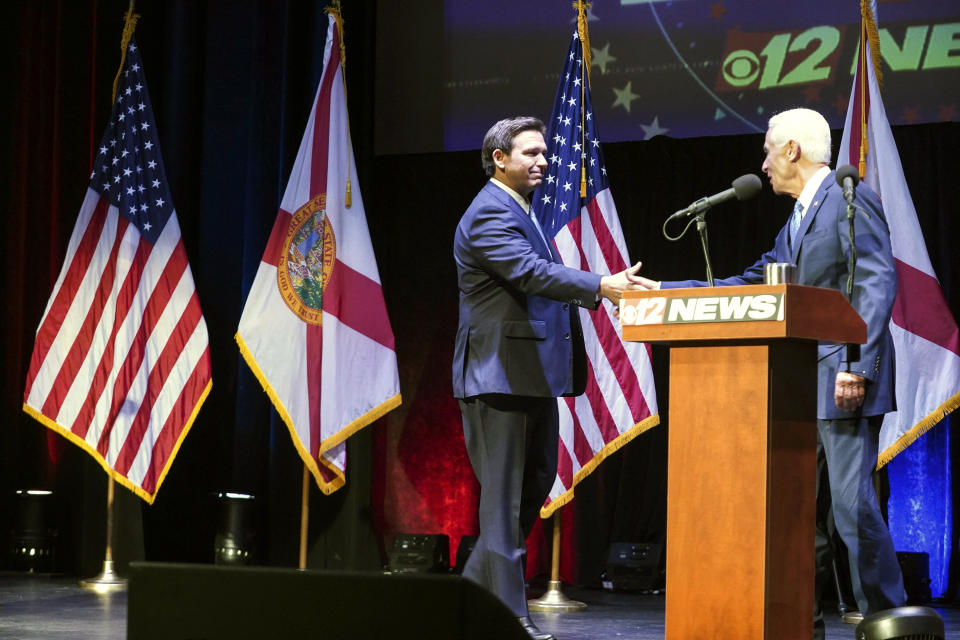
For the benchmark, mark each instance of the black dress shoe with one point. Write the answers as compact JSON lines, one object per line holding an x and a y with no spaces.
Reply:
{"x":533,"y":631}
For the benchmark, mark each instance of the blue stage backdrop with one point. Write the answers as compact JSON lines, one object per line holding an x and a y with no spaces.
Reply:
{"x":921,"y":506}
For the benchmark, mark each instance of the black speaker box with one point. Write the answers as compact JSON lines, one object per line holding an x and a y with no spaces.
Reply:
{"x":207,"y":602}
{"x":634,"y":566}
{"x":420,"y":552}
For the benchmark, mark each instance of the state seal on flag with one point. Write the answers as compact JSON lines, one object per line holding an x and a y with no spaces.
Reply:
{"x":306,"y":260}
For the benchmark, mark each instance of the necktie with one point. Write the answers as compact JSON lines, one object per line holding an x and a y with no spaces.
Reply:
{"x":536,"y":223}
{"x":795,"y":223}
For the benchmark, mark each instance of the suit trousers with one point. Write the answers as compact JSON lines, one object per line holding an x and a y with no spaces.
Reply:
{"x":512,"y":444}
{"x":846,"y":459}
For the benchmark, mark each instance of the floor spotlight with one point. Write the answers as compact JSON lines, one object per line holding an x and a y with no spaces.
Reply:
{"x":34,"y":536}
{"x":902,"y":623}
{"x":420,"y":552}
{"x":235,"y":541}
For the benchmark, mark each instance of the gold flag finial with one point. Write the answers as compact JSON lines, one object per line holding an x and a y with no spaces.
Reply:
{"x":582,"y":6}
{"x":129,"y":25}
{"x":334,"y":10}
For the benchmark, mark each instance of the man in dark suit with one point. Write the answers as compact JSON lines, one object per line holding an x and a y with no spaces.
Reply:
{"x":519,"y":346}
{"x":851,"y":396}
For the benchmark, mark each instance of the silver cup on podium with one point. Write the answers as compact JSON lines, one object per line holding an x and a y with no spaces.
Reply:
{"x":779,"y":273}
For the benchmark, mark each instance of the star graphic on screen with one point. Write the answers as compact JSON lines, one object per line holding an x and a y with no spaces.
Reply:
{"x":602,"y":57}
{"x":947,"y":113}
{"x":910,"y":114}
{"x":625,"y":96}
{"x":653,"y":129}
{"x":717,"y":10}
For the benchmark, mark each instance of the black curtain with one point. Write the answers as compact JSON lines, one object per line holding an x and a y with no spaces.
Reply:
{"x":232,"y":83}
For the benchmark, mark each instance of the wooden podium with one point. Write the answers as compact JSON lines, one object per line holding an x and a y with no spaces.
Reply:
{"x":742,"y":451}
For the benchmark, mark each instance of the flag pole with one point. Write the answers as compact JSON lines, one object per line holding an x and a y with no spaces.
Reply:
{"x":107,"y":580}
{"x":581,"y":6}
{"x":304,"y":517}
{"x":554,"y":600}
{"x":334,"y":10}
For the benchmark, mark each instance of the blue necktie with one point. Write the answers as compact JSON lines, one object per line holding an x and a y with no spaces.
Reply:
{"x":795,"y":223}
{"x":536,"y":223}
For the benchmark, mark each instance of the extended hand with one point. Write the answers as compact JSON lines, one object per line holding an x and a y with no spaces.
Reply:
{"x":613,"y":286}
{"x":849,"y":391}
{"x":648,"y":284}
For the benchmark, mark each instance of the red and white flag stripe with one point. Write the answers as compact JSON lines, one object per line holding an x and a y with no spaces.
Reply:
{"x":620,"y":399}
{"x":121,"y":361}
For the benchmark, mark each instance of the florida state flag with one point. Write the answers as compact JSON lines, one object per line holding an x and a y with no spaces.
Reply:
{"x":314,"y":329}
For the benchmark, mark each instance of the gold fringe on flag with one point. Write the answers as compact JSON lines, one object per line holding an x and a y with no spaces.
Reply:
{"x":334,"y":11}
{"x":581,"y":6}
{"x":129,"y":25}
{"x":919,"y":429}
{"x":873,"y":37}
{"x":868,"y":33}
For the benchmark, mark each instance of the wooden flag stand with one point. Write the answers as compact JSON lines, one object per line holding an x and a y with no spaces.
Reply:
{"x":553,"y":600}
{"x":304,"y":517}
{"x":107,"y":581}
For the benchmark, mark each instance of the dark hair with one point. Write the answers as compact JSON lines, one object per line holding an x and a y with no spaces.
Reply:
{"x":501,"y":135}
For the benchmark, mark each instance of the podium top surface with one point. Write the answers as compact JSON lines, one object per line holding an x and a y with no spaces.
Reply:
{"x":743,"y":313}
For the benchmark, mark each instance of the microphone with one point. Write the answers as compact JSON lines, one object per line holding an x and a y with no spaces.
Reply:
{"x":745,"y":187}
{"x":848,"y":178}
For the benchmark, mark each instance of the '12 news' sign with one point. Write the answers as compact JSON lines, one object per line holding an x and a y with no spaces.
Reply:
{"x":749,"y":308}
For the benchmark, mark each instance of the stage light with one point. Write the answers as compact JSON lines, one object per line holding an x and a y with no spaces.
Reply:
{"x":902,"y":623}
{"x":33,"y":538}
{"x":634,"y":566}
{"x":420,"y":552}
{"x":235,"y":542}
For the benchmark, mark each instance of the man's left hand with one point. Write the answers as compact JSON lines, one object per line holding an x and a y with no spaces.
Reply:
{"x":613,"y":286}
{"x":849,"y":391}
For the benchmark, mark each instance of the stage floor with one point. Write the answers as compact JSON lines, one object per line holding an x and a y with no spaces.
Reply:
{"x":55,"y":608}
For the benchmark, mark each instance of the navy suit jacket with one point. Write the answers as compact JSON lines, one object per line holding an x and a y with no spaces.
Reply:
{"x":821,"y":254}
{"x":519,"y":331}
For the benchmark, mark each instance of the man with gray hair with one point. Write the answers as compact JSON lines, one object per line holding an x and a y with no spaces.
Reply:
{"x":519,"y":346}
{"x":852,"y":396}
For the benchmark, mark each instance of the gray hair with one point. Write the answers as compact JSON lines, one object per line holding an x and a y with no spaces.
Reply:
{"x":501,"y":135}
{"x":807,"y":128}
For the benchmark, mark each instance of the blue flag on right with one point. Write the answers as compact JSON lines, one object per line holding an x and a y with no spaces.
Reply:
{"x":924,"y":331}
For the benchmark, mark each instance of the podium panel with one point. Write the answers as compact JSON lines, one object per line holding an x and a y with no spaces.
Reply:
{"x":741,"y":476}
{"x":740,"y":496}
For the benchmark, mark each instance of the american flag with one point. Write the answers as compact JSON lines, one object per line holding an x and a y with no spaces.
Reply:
{"x":121,"y":363}
{"x":620,"y":401}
